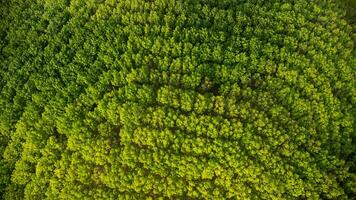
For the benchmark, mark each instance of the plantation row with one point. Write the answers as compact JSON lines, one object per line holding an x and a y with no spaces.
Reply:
{"x":176,"y":100}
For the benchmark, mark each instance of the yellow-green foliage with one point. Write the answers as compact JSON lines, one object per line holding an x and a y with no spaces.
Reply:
{"x":169,"y":99}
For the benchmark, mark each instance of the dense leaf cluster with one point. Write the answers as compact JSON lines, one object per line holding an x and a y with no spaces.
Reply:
{"x":133,"y":99}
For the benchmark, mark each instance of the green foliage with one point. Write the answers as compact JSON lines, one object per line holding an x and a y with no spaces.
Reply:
{"x":348,"y":6}
{"x":195,"y":99}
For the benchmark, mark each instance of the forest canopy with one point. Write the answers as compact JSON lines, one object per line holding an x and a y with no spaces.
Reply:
{"x":177,"y":99}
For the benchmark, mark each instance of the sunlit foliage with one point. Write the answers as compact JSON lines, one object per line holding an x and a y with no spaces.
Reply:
{"x":193,"y":99}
